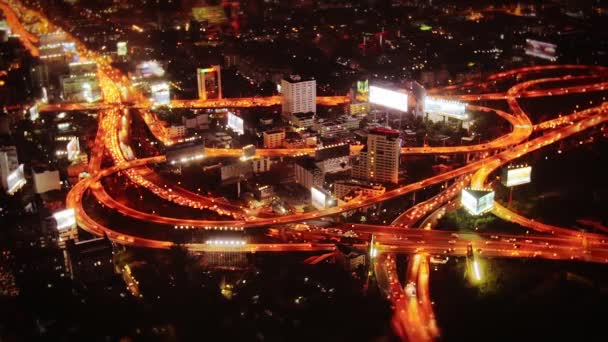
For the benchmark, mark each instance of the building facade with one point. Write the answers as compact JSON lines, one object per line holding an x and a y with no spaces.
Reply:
{"x":299,"y":95}
{"x":379,"y":160}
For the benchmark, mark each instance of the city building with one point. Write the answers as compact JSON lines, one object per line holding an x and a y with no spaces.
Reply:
{"x":90,"y":261}
{"x":177,"y":131}
{"x":236,"y":170}
{"x":307,"y":173}
{"x":333,"y":158}
{"x":88,"y":68}
{"x":8,"y":162}
{"x":261,"y":165}
{"x":329,"y":128}
{"x":11,"y":172}
{"x":274,"y":138}
{"x":379,"y":159}
{"x":199,"y":121}
{"x":349,"y":122}
{"x":263,"y":191}
{"x":185,"y":152}
{"x":65,"y":223}
{"x":299,"y":95}
{"x":342,"y":188}
{"x":301,"y":121}
{"x":45,"y":180}
{"x":80,"y":88}
{"x":359,"y":109}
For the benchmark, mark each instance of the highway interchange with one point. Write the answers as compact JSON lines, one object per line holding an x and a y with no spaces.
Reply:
{"x":414,"y":318}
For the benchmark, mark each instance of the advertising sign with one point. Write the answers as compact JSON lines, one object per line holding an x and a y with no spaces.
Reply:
{"x":388,"y":98}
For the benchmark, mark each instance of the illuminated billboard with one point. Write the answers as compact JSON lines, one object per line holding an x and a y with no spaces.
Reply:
{"x":160,"y":93}
{"x":34,"y":114}
{"x":477,"y":202}
{"x":450,"y":108}
{"x":318,"y":198}
{"x":211,"y":14}
{"x":15,"y":180}
{"x":209,"y":82}
{"x":363,"y":87}
{"x":150,"y":69}
{"x":321,"y":199}
{"x":388,"y":98}
{"x":121,"y":48}
{"x":513,"y":176}
{"x":65,"y":219}
{"x":73,"y":148}
{"x":235,"y":123}
{"x":540,"y":49}
{"x":248,"y":151}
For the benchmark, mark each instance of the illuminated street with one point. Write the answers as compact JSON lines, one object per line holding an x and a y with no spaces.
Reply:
{"x":291,"y":174}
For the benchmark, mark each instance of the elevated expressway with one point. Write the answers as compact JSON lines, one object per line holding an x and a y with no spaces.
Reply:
{"x":417,"y":315}
{"x":112,"y":81}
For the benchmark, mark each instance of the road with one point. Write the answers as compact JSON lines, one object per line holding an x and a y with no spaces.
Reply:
{"x":414,"y":318}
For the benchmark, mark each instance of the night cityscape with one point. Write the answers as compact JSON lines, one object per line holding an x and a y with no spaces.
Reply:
{"x":303,"y":170}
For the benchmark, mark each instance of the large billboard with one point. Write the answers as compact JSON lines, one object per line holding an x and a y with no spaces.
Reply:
{"x":235,"y":123}
{"x":540,"y":49}
{"x":211,"y":14}
{"x":248,"y":151}
{"x":321,"y":199}
{"x":73,"y":148}
{"x":150,"y":69}
{"x":15,"y":180}
{"x":388,"y":98}
{"x":513,"y":176}
{"x":160,"y":93}
{"x":363,"y":87}
{"x":34,"y":114}
{"x":209,"y":82}
{"x":477,"y":202}
{"x":450,"y":108}
{"x":318,"y":198}
{"x":121,"y":48}
{"x":65,"y":219}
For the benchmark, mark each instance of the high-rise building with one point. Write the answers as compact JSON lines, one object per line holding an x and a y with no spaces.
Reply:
{"x":299,"y":95}
{"x":45,"y":180}
{"x":379,"y":160}
{"x":8,"y":163}
{"x":209,"y":82}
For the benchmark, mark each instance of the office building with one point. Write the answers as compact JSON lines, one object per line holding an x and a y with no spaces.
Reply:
{"x":356,"y":187}
{"x":301,"y":121}
{"x":333,"y":158}
{"x":274,"y":138}
{"x":91,"y":261}
{"x":298,"y":95}
{"x":8,"y":163}
{"x":379,"y":159}
{"x":307,"y":173}
{"x":177,"y":131}
{"x":45,"y":180}
{"x":80,"y":88}
{"x":261,"y":164}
